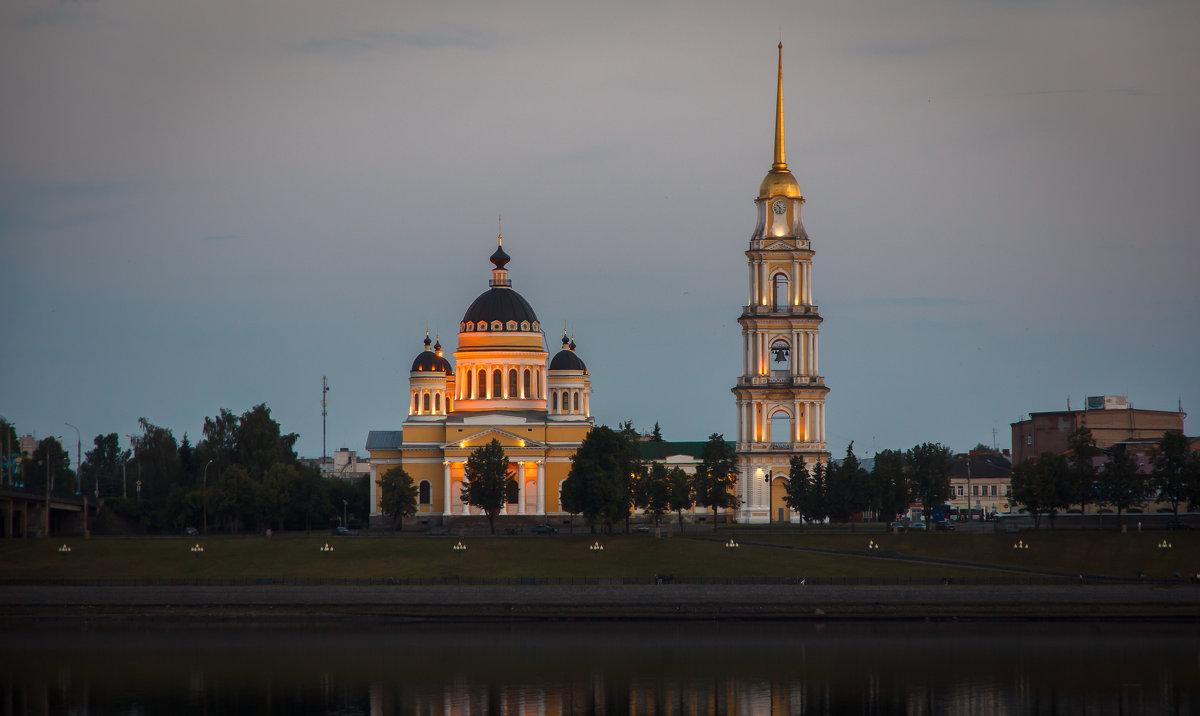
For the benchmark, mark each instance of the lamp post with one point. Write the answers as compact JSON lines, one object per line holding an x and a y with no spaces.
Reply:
{"x":78,"y":454}
{"x":770,"y":501}
{"x":345,"y":506}
{"x":204,"y":496}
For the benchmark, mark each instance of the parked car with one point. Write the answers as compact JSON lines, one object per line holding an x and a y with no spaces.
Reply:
{"x":943,"y":527}
{"x":916,"y":527}
{"x":898,"y":526}
{"x":543,"y":530}
{"x":191,"y":531}
{"x":641,"y":528}
{"x":1178,"y":526}
{"x":340,"y":531}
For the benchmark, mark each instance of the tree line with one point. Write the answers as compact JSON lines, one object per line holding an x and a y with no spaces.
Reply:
{"x":609,"y":480}
{"x":1052,"y":483}
{"x":242,"y":475}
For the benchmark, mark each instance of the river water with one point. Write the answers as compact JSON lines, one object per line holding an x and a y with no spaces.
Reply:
{"x":605,"y":668}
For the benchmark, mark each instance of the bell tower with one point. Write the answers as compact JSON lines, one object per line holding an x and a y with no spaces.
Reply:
{"x":780,"y":393}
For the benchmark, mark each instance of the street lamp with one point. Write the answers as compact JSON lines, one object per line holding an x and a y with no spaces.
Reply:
{"x":78,"y":453}
{"x":345,"y":505}
{"x":204,"y":496}
{"x":770,"y":503}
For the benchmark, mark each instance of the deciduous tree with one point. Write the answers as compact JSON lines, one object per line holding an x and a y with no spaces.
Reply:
{"x":487,"y":484}
{"x":397,"y":495}
{"x":1081,"y":474}
{"x":1173,"y":477}
{"x":598,"y":486}
{"x":1120,"y":483}
{"x":716,"y":476}
{"x":927,"y":467}
{"x":680,"y":496}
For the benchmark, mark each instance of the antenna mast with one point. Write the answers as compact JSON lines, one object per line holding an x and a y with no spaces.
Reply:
{"x":324,"y":412}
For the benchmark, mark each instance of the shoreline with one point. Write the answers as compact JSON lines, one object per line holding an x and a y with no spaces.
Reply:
{"x":32,"y":606}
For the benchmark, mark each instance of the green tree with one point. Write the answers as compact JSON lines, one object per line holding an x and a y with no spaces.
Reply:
{"x":799,"y":487}
{"x":656,"y":435}
{"x":1174,"y":478}
{"x":487,"y":484}
{"x":225,"y":495}
{"x":847,"y":487}
{"x":310,"y":500}
{"x":1120,"y":483}
{"x":398,"y":495}
{"x":49,"y":462}
{"x":1056,"y":481}
{"x":1081,"y":474}
{"x":927,"y":467}
{"x":10,"y":453}
{"x":276,"y":494}
{"x":656,"y":486}
{"x":1042,"y":487}
{"x":598,"y":485}
{"x":716,"y":476}
{"x":157,"y":456}
{"x":261,"y":444}
{"x":102,"y":464}
{"x":892,"y":483}
{"x":350,"y":497}
{"x":680,"y":496}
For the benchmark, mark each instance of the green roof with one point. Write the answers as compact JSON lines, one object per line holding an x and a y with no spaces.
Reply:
{"x":662,"y":450}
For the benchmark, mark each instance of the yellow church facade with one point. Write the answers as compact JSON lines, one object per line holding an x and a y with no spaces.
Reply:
{"x":503,"y":385}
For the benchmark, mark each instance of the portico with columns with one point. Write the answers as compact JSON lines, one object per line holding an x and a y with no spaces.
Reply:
{"x":780,"y":394}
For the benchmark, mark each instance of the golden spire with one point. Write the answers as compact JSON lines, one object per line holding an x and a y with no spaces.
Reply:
{"x":499,"y":229}
{"x":779,"y":181}
{"x":780,"y":162}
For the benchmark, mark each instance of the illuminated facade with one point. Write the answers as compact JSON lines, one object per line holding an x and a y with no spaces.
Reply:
{"x":499,"y":387}
{"x":780,"y":393}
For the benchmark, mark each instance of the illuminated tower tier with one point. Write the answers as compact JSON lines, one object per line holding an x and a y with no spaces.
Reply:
{"x":780,"y":393}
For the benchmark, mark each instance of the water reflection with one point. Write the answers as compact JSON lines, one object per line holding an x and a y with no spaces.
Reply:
{"x":641,"y":669}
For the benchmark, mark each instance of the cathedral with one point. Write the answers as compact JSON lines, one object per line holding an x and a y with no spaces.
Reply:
{"x":503,"y":384}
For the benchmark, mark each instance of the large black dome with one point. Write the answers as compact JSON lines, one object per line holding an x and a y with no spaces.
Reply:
{"x":500,"y":304}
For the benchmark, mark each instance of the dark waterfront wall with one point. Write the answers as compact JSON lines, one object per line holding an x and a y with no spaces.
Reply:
{"x":721,"y":668}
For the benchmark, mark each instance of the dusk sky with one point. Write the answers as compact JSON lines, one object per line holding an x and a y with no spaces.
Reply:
{"x":212,"y":204}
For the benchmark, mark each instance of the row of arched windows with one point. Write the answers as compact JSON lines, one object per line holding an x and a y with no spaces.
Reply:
{"x":568,"y":397}
{"x":524,"y":384}
{"x":427,"y":403}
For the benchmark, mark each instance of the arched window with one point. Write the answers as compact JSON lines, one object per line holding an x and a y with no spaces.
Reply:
{"x":512,"y":383}
{"x":481,"y":384}
{"x":424,"y":493}
{"x":781,"y":353}
{"x":576,"y":408}
{"x":437,"y":402}
{"x":537,"y":382}
{"x":497,"y":383}
{"x":566,"y":402}
{"x":780,"y":290}
{"x":414,"y":405}
{"x":468,"y":391}
{"x":425,"y":402}
{"x":781,"y":427}
{"x":554,"y":402}
{"x":527,"y":393}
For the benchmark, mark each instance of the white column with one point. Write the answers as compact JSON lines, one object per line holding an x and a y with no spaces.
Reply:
{"x":745,"y":352}
{"x":816,"y":361}
{"x":750,"y":300}
{"x":797,"y":284}
{"x":520,"y":488}
{"x":795,"y":421}
{"x":541,"y":487}
{"x":762,"y":282}
{"x":446,"y":502}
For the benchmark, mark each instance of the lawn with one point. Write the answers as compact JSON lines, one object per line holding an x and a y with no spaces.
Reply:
{"x":761,"y":554}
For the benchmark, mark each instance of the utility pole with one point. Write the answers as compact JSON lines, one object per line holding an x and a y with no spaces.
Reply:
{"x":324,"y":412}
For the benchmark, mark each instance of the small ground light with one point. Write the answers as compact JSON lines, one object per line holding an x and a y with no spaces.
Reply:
{"x":872,"y":545}
{"x":327,"y":548}
{"x":64,"y":548}
{"x":459,"y":547}
{"x":596,"y":546}
{"x":732,"y":543}
{"x":1020,"y":544}
{"x":1164,"y":545}
{"x":197,"y":548}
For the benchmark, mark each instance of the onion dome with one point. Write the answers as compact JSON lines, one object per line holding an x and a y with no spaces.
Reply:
{"x":429,"y":362}
{"x":566,"y":358}
{"x":500,"y":303}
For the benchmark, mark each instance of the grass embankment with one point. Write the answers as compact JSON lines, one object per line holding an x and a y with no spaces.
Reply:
{"x":776,"y":554}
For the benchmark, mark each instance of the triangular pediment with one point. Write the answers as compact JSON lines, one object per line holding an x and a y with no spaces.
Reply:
{"x":485,"y":436}
{"x":780,"y":246}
